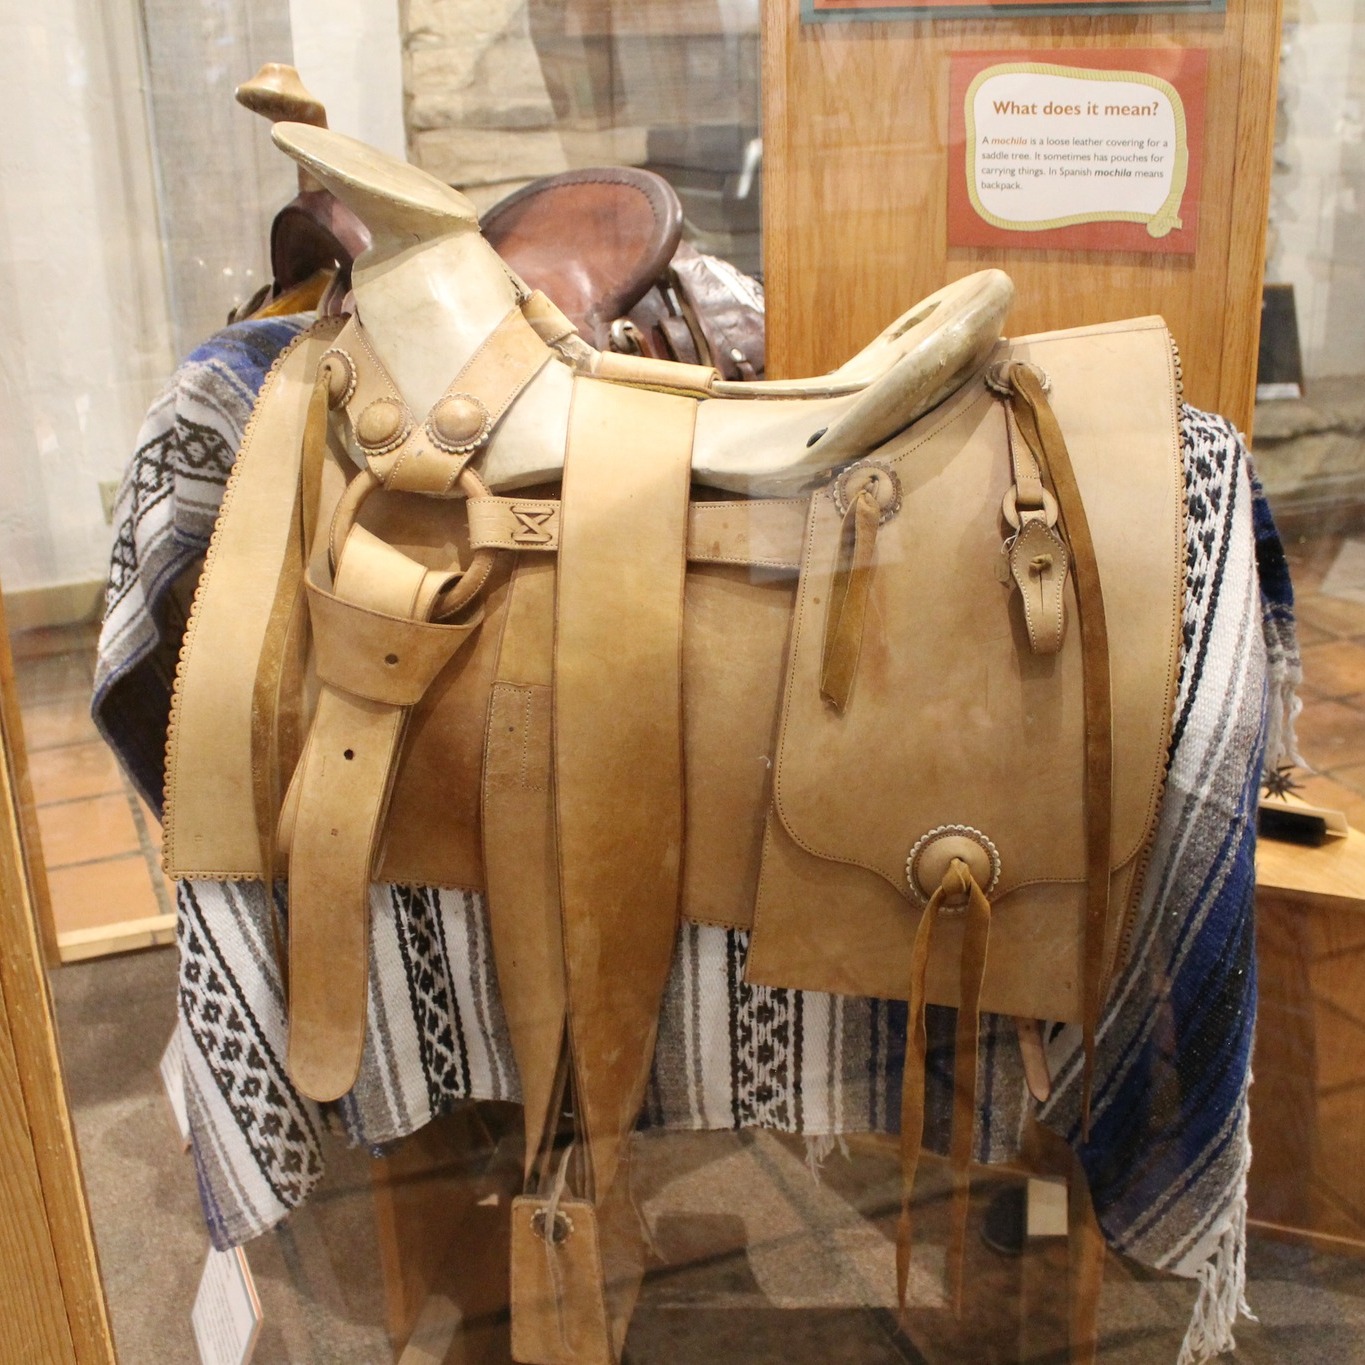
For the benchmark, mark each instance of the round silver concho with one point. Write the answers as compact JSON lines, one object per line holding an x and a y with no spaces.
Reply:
{"x":934,"y":851}
{"x":870,"y":474}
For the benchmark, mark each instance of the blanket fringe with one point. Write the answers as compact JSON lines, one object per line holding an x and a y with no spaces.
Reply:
{"x":1222,"y":1294}
{"x":819,"y":1147}
{"x":1283,"y":705}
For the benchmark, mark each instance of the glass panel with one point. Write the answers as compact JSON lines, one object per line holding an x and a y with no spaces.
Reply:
{"x":875,"y":705}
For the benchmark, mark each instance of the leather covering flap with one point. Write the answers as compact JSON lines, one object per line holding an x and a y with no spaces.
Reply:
{"x":210,"y":828}
{"x":952,"y":720}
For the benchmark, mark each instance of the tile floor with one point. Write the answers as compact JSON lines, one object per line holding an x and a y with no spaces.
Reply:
{"x":100,"y":843}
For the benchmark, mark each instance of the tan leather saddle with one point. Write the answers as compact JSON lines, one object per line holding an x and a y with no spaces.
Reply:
{"x":916,"y":711}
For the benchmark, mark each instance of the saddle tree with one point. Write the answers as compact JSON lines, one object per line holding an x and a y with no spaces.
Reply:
{"x":430,"y":289}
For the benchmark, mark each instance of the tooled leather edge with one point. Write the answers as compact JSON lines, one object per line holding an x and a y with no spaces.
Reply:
{"x":323,"y":329}
{"x":1118,"y":955}
{"x":1141,"y":847}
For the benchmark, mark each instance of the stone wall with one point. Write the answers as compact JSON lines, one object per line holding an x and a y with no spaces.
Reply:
{"x":1317,"y":221}
{"x":498,"y":92}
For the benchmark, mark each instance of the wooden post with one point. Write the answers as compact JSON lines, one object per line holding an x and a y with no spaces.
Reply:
{"x":51,"y":1303}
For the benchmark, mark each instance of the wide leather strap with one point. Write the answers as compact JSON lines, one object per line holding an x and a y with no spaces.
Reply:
{"x":376,"y":655}
{"x":618,"y":740}
{"x":521,"y":858}
{"x":764,"y":532}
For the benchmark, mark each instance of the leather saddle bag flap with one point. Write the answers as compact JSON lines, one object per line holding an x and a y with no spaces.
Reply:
{"x":954,"y":725}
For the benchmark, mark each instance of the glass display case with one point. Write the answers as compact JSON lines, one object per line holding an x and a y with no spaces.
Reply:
{"x":646,"y":645}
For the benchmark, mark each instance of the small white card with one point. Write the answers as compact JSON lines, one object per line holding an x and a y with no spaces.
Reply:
{"x":227,"y":1313}
{"x":173,"y":1078}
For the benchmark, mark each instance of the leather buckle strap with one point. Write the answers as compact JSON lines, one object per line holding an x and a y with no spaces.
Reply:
{"x":377,"y":653}
{"x":1037,"y":555}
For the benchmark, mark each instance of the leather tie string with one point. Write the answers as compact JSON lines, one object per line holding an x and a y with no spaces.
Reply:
{"x":1038,"y":426}
{"x":848,"y":599}
{"x":957,"y":882}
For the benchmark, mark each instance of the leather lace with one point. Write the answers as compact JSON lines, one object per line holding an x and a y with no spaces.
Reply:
{"x":957,"y":882}
{"x":1039,"y":428}
{"x":848,"y":596}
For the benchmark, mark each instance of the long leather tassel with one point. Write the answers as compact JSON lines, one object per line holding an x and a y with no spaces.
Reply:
{"x":973,"y":972}
{"x":283,"y":628}
{"x":848,"y":599}
{"x":912,"y":1091}
{"x":1038,"y":424}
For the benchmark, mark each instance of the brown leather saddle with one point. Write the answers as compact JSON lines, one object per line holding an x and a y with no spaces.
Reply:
{"x":908,"y":725}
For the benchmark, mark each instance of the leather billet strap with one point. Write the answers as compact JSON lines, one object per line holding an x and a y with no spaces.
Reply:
{"x":1037,"y":425}
{"x":376,"y":653}
{"x":428,"y":456}
{"x":618,"y":750}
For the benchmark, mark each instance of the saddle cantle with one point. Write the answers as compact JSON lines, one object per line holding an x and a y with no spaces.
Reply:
{"x":917,"y":709}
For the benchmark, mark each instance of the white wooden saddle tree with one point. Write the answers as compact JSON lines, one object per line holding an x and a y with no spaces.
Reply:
{"x":430,"y":291}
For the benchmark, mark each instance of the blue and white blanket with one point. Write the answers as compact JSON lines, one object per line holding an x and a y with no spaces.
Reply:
{"x":1168,"y":1151}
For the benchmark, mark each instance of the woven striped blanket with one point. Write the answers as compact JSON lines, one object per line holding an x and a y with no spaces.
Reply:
{"x":1168,"y":1151}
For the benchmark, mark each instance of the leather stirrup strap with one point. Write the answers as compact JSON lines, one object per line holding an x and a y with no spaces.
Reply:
{"x":1038,"y":425}
{"x":376,"y":655}
{"x":520,"y":850}
{"x":618,"y":740}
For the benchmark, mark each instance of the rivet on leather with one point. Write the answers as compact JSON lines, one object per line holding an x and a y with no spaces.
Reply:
{"x":997,"y":376}
{"x":382,"y":426}
{"x":556,"y":1231}
{"x":870,"y":474}
{"x":934,"y":852}
{"x":459,"y":424}
{"x":340,"y":372}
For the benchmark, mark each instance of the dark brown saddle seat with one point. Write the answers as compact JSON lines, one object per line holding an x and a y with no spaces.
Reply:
{"x":595,"y":241}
